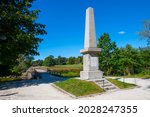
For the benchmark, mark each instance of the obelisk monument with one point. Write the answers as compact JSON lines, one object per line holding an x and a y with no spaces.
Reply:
{"x":90,"y":52}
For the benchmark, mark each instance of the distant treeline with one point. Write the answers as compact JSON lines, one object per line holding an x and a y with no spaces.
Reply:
{"x":112,"y":59}
{"x":51,"y":61}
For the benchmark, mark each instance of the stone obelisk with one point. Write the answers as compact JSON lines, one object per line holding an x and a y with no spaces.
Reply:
{"x":90,"y":52}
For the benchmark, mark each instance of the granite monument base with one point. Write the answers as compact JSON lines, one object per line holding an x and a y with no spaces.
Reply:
{"x":91,"y":75}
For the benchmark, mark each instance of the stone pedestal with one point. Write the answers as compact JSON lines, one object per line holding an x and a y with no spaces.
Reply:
{"x":90,"y":52}
{"x":91,"y":75}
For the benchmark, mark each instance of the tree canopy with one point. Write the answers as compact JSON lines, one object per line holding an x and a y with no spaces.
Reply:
{"x":49,"y":61}
{"x":106,"y":59}
{"x":145,"y":33}
{"x":19,"y":31}
{"x":122,"y":61}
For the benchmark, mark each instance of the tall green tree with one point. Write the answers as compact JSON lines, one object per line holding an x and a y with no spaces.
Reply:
{"x":71,"y":60}
{"x":145,"y":33}
{"x":129,"y":60}
{"x":23,"y":63}
{"x":145,"y":59}
{"x":49,"y":61}
{"x":19,"y":31}
{"x":79,"y":60}
{"x":37,"y":63}
{"x":60,"y":60}
{"x":106,"y":58}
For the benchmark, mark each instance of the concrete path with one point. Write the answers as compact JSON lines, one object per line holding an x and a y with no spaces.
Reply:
{"x":142,"y":92}
{"x":42,"y":90}
{"x":32,"y":89}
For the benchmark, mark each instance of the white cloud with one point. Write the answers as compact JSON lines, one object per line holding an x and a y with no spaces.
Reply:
{"x":121,"y":32}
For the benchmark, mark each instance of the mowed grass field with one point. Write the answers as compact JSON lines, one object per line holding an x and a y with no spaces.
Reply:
{"x":79,"y":87}
{"x":74,"y":70}
{"x":66,"y":70}
{"x":68,"y":66}
{"x":121,"y":85}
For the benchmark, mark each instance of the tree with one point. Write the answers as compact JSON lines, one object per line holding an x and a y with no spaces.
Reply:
{"x":37,"y":63}
{"x":18,"y":31}
{"x":79,"y":60}
{"x":23,"y":63}
{"x":129,"y":60}
{"x":60,"y":60}
{"x":71,"y":60}
{"x":106,"y":59}
{"x":145,"y":59}
{"x":146,"y":31}
{"x":49,"y":61}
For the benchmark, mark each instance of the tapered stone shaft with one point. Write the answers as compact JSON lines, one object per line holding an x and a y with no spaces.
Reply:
{"x":90,"y":36}
{"x":90,"y":51}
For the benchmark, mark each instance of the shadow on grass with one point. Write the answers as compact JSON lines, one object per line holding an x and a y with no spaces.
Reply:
{"x":46,"y":79}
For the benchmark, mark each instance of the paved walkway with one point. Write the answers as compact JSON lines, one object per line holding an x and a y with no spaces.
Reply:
{"x":42,"y":90}
{"x":32,"y":89}
{"x":140,"y":93}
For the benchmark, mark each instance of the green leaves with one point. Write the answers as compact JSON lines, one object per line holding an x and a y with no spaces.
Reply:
{"x":145,"y":33}
{"x":106,"y":57}
{"x":49,"y":61}
{"x":122,"y":61}
{"x":18,"y":24}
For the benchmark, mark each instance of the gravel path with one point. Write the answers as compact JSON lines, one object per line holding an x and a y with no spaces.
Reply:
{"x":42,"y":90}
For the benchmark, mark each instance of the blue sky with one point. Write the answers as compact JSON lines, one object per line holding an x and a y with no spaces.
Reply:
{"x":65,"y":23}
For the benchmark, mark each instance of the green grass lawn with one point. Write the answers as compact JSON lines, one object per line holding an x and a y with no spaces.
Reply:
{"x":69,"y":66}
{"x":79,"y":87}
{"x":120,"y":84}
{"x":134,"y":76}
{"x":3,"y":80}
{"x":70,"y":74}
{"x":138,"y":76}
{"x":66,"y":70}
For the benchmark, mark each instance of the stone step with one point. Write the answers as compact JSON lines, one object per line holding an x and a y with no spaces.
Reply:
{"x":109,"y":88}
{"x":101,"y":83}
{"x":100,"y":80}
{"x":106,"y":85}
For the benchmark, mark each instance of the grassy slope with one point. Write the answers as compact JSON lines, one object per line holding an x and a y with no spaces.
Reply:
{"x":79,"y":88}
{"x":3,"y":80}
{"x":120,"y":84}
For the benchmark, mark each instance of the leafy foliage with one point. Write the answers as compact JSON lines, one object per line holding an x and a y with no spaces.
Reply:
{"x":106,"y":56}
{"x":37,"y":63}
{"x":146,"y":31}
{"x":60,"y":60}
{"x":49,"y":61}
{"x":122,"y":61}
{"x":24,"y":62}
{"x":18,"y":31}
